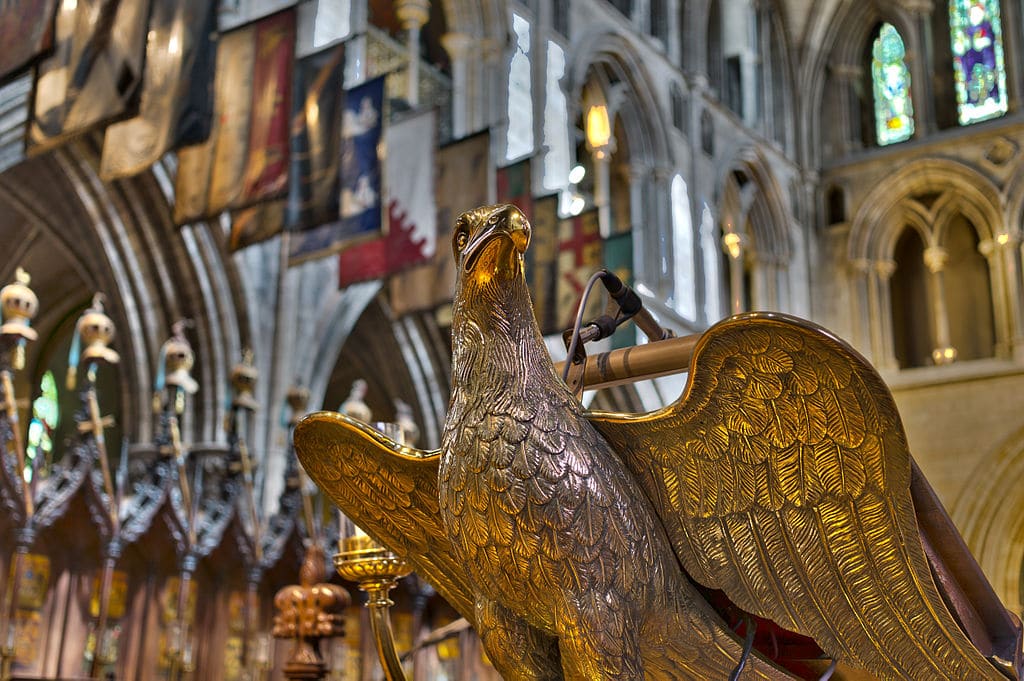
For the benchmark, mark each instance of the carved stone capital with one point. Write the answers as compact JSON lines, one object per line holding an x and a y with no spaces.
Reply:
{"x":459,"y":46}
{"x":935,"y":258}
{"x":884,"y":268}
{"x":847,"y":71}
{"x":412,"y":13}
{"x":860,"y":265}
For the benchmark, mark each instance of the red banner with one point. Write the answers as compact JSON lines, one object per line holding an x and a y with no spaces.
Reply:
{"x":266,"y":175}
{"x":25,"y":31}
{"x":463,"y":168}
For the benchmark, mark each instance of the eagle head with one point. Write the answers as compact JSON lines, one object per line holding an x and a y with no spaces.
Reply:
{"x":489,"y":243}
{"x":491,"y":296}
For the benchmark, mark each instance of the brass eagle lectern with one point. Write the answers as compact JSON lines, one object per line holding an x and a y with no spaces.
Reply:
{"x":587,"y":545}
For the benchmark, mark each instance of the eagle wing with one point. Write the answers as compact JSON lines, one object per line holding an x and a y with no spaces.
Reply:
{"x":390,"y":491}
{"x":782,"y":475}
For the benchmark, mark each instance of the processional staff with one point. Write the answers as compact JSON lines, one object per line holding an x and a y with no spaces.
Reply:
{"x":173,"y":382}
{"x":19,"y":305}
{"x":94,"y":330}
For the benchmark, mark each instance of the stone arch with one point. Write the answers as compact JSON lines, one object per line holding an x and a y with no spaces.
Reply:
{"x":975,"y":194}
{"x":989,"y":513}
{"x":119,"y":238}
{"x":754,"y":225}
{"x":639,"y":108}
{"x":633,"y":101}
{"x":768,"y":201}
{"x":925,"y":195}
{"x":845,"y":33}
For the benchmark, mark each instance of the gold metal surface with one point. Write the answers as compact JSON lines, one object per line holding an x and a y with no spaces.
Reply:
{"x":376,"y":570}
{"x":308,"y":612}
{"x":781,"y":477}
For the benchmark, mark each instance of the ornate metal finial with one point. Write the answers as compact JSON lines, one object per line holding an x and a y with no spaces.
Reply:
{"x":297,"y":398}
{"x":19,"y":305}
{"x":354,"y":405}
{"x":243,"y":382}
{"x":94,"y":330}
{"x":179,"y":359}
{"x":308,"y":612}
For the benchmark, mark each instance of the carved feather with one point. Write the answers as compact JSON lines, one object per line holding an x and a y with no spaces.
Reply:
{"x":805,"y":517}
{"x":392,"y":492}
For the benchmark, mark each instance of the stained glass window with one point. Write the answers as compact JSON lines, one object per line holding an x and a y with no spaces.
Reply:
{"x":894,"y":111}
{"x":976,"y":38}
{"x":45,"y":417}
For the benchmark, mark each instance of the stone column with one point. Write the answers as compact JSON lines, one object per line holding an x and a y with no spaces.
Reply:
{"x":881,"y":277}
{"x":1004,"y":274}
{"x":860,"y":299}
{"x":920,"y":66}
{"x":413,"y":14}
{"x":459,"y":47}
{"x":660,"y":221}
{"x":846,"y":76}
{"x":645,"y":239}
{"x":935,"y":258}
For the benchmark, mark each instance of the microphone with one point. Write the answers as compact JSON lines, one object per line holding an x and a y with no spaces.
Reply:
{"x":633,"y":307}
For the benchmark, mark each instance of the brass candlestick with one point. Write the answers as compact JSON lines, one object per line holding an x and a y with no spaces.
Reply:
{"x":376,"y":571}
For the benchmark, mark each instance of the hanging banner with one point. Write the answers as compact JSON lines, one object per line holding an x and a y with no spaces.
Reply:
{"x":463,"y":169}
{"x":579,"y":255}
{"x":257,"y":223}
{"x":315,"y":195}
{"x":245,"y":159}
{"x":236,"y":59}
{"x":542,"y":261}
{"x":314,"y":156}
{"x":25,"y":32}
{"x":618,"y":259}
{"x":266,"y":174}
{"x":94,"y":72}
{"x":362,"y":126}
{"x":514,"y":186}
{"x":411,"y":237}
{"x":176,"y":105}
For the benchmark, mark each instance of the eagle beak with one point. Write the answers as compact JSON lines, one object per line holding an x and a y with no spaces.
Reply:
{"x":506,"y":221}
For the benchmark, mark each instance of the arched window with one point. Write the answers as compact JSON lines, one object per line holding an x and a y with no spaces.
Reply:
{"x":910,"y":322}
{"x":890,"y":77}
{"x":685,"y":293}
{"x":659,"y":20}
{"x":43,"y":426}
{"x":968,"y":293}
{"x":976,"y":41}
{"x":519,"y":140}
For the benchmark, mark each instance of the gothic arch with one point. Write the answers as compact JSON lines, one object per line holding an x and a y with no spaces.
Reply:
{"x":641,"y":114}
{"x":844,"y":33}
{"x":609,"y":59}
{"x":872,"y":227}
{"x":119,"y":239}
{"x":990,"y":515}
{"x":927,"y":195}
{"x":768,"y":203}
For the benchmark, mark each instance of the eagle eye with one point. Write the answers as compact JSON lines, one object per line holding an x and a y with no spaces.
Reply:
{"x":461,"y":238}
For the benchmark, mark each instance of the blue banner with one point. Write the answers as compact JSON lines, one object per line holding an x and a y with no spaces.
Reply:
{"x":360,"y":206}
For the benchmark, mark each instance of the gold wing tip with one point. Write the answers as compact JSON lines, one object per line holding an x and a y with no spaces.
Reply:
{"x":316,"y":432}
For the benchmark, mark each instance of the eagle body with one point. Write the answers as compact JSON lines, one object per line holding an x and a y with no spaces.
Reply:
{"x":565,"y":552}
{"x":569,"y":538}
